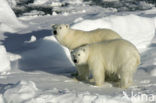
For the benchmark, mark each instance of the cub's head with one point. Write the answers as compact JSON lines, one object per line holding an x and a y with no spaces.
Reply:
{"x":60,"y":30}
{"x":80,"y":55}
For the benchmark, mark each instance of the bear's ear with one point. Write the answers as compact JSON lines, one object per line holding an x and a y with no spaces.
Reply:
{"x":67,"y":25}
{"x":54,"y":26}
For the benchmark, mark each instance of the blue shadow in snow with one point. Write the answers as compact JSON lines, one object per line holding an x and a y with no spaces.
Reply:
{"x":41,"y":55}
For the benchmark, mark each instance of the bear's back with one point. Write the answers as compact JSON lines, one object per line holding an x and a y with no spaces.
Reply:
{"x":113,"y":48}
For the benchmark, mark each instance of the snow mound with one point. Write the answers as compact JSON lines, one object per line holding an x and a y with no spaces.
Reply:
{"x":7,"y":16}
{"x":20,"y":92}
{"x":138,"y":30}
{"x":4,"y":60}
{"x":32,"y":39}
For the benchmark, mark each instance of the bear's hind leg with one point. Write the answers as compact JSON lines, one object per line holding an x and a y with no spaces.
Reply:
{"x":126,"y":74}
{"x":126,"y":80}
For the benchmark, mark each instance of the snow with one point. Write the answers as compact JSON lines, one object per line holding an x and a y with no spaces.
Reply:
{"x":8,"y":18}
{"x":36,"y":68}
{"x":27,"y":92}
{"x":32,"y":39}
{"x":21,"y":91}
{"x":153,"y":72}
{"x":40,"y":2}
{"x":144,"y":5}
{"x":139,"y":30}
{"x":4,"y":60}
{"x":12,"y":3}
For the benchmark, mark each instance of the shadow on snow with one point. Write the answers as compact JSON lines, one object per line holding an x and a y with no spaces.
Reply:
{"x":41,"y":55}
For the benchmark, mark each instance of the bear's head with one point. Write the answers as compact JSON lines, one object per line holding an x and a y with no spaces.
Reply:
{"x":60,"y":30}
{"x":80,"y":55}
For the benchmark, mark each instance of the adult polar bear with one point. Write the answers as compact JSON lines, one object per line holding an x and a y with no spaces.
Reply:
{"x":114,"y":56}
{"x":72,"y":38}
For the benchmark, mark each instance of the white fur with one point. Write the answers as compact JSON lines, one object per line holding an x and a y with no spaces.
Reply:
{"x":114,"y":56}
{"x":72,"y":38}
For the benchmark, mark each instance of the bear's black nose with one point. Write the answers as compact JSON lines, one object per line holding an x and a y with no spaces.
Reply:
{"x":75,"y":61}
{"x":55,"y":32}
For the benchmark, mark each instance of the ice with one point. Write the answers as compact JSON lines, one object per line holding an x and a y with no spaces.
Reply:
{"x":4,"y":60}
{"x":54,"y":13}
{"x":138,"y":30}
{"x":40,"y":2}
{"x":7,"y":16}
{"x":144,"y":5}
{"x":57,"y":2}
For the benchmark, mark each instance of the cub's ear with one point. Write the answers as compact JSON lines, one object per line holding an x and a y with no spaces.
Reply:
{"x":71,"y":51}
{"x":67,"y":25}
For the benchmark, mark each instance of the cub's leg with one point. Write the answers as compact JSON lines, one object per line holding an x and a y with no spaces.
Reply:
{"x":83,"y":72}
{"x":98,"y":74}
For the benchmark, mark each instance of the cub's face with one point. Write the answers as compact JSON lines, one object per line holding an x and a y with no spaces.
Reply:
{"x":60,"y":30}
{"x":79,"y":56}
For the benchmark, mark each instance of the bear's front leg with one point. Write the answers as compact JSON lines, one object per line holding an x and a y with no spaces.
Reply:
{"x":98,"y":73}
{"x":83,"y":73}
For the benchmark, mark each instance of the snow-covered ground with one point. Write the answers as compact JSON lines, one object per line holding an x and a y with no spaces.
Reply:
{"x":35,"y":68}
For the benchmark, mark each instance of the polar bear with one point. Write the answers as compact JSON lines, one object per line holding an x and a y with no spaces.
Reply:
{"x":72,"y":38}
{"x":113,"y":56}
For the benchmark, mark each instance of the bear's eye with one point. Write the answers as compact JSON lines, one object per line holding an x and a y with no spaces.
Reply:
{"x":78,"y":54}
{"x":60,"y":27}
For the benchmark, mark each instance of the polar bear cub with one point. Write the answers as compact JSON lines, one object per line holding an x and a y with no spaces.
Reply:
{"x":72,"y":38}
{"x":113,"y":56}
